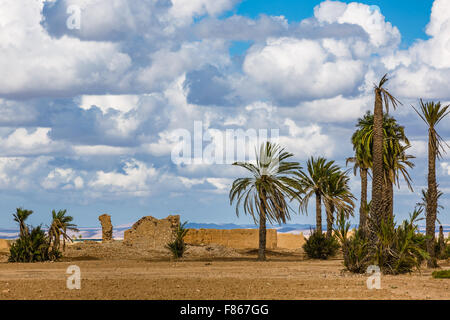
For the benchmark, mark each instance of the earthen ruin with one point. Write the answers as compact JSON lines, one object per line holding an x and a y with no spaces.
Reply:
{"x":234,"y":238}
{"x":107,"y":228}
{"x":152,"y":233}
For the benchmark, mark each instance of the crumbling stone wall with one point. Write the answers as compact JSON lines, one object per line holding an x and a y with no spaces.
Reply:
{"x":107,"y":228}
{"x":234,"y":238}
{"x":152,"y":233}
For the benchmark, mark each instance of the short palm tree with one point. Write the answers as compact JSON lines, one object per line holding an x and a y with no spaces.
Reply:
{"x":397,"y":163}
{"x":338,"y":196}
{"x":20,"y":217}
{"x":382,"y":97}
{"x":263,"y":195}
{"x":59,"y":227}
{"x":314,"y":183}
{"x":432,"y":113}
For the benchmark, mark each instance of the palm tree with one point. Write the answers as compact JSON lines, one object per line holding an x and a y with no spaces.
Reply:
{"x":432,"y":113}
{"x":382,"y":96}
{"x":337,"y":196}
{"x":396,"y":164}
{"x":59,"y":227}
{"x":314,"y":182}
{"x":424,"y":201}
{"x":395,"y":160}
{"x":362,"y":161}
{"x":263,"y":195}
{"x":20,"y":217}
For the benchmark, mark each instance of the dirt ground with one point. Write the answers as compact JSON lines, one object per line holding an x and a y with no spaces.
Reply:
{"x":115,"y":271}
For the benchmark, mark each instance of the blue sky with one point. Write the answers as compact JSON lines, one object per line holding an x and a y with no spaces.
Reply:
{"x":411,"y":17}
{"x":93,"y":108}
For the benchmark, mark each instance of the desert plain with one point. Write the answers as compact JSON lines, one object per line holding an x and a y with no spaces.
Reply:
{"x":116,"y":271}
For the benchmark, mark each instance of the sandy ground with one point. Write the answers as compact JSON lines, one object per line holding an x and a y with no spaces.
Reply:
{"x":114,"y":271}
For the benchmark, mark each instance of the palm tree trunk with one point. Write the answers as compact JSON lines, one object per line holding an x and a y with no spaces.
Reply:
{"x":318,"y":212}
{"x":23,"y":229}
{"x":390,"y":197}
{"x":388,"y":201}
{"x":432,"y":203}
{"x":330,"y":219}
{"x":262,"y":237}
{"x":376,"y":210}
{"x":441,"y":243}
{"x":363,"y":206}
{"x":262,"y":231}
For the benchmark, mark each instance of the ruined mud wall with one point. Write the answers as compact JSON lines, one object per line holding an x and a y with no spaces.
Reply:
{"x":107,"y":228}
{"x":290,"y":241}
{"x":152,"y":233}
{"x":4,"y":245}
{"x":234,"y":238}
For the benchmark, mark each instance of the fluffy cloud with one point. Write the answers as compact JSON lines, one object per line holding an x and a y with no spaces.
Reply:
{"x":20,"y":173}
{"x":120,"y":19}
{"x":123,"y":103}
{"x":446,"y":167}
{"x":304,"y":69}
{"x":184,"y":11}
{"x":38,"y":65}
{"x":168,"y":64}
{"x":424,"y":69}
{"x":306,"y":141}
{"x":336,"y":109}
{"x":24,"y":142}
{"x":135,"y":179}
{"x":381,"y":32}
{"x":62,"y":178}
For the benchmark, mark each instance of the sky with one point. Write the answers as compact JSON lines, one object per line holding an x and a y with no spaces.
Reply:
{"x":99,"y":97}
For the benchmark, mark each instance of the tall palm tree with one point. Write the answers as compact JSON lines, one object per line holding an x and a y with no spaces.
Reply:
{"x":395,"y":160}
{"x":382,"y":96}
{"x":59,"y":227}
{"x":432,"y":113}
{"x":263,"y":195}
{"x":363,"y":161}
{"x":337,"y":196}
{"x":314,"y":182}
{"x":20,"y":217}
{"x":424,"y":201}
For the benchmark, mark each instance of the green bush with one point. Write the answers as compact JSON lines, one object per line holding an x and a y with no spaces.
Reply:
{"x":178,"y":247}
{"x":355,"y":249}
{"x":32,"y":247}
{"x":400,"y":249}
{"x":446,"y":254}
{"x":397,"y":250}
{"x":319,"y":246}
{"x":356,"y":253}
{"x":421,"y":240}
{"x":443,"y":274}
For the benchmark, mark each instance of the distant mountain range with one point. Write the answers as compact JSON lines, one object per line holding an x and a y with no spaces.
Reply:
{"x":96,"y":232}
